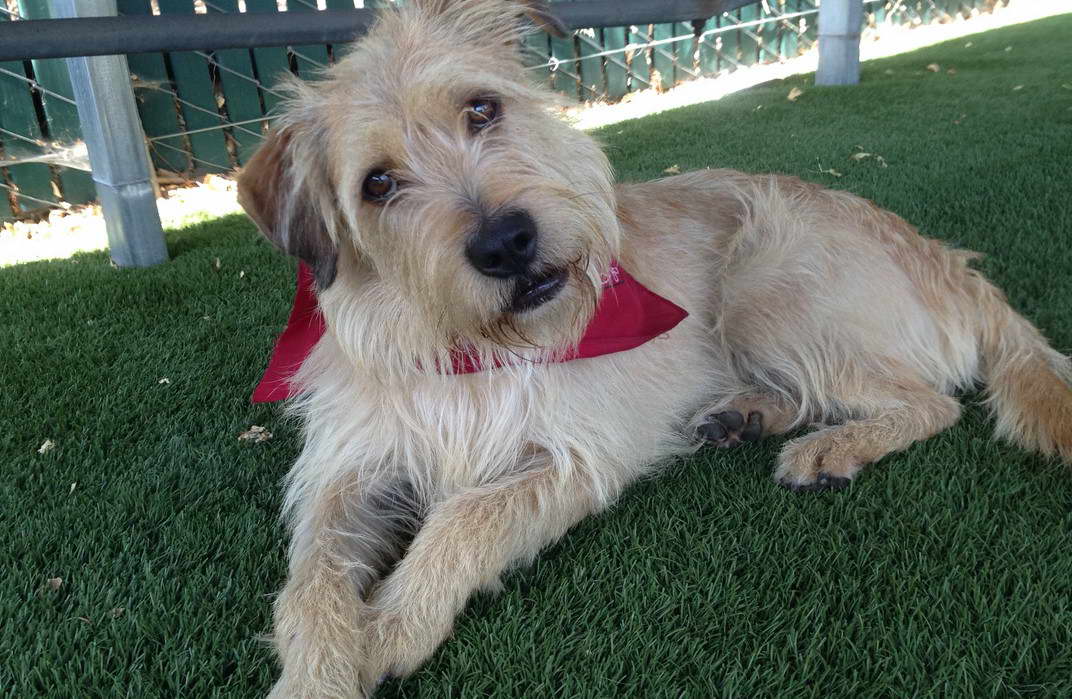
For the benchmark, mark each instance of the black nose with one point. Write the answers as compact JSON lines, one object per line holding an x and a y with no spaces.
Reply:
{"x":505,"y":246}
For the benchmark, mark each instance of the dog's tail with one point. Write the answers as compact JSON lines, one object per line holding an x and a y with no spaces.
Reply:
{"x":1028,"y":382}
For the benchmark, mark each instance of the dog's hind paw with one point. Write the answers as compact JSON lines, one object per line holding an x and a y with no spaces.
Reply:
{"x":731,"y":429}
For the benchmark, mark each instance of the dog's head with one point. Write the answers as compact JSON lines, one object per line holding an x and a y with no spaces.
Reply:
{"x":438,"y":200}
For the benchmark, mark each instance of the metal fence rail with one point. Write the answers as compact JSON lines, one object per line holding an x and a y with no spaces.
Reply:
{"x":205,"y":109}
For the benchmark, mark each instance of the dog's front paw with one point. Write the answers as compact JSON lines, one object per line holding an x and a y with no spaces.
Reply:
{"x":816,"y":462}
{"x":730,"y":429}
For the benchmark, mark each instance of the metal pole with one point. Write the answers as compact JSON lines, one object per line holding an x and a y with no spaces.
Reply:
{"x":116,"y":146}
{"x":839,"y":42}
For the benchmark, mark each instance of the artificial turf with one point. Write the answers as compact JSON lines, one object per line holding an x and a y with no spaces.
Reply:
{"x":944,"y":571}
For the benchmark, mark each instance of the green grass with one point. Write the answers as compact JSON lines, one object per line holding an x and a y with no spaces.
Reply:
{"x":945,"y":570}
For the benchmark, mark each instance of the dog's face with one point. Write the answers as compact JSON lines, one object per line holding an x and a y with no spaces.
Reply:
{"x":433,"y":193}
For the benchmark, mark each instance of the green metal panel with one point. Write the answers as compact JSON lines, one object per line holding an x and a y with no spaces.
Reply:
{"x":663,"y":56}
{"x":62,"y":117}
{"x":340,"y":50}
{"x":241,"y":96}
{"x":708,"y":52}
{"x":17,"y":114}
{"x":731,"y":40}
{"x":311,"y":58}
{"x":748,"y":47}
{"x":536,"y":53}
{"x":617,"y":75}
{"x":271,"y":63}
{"x":563,"y":79}
{"x":639,"y":64}
{"x":591,"y":69}
{"x":199,"y":110}
{"x":685,"y":61}
{"x":159,"y":115}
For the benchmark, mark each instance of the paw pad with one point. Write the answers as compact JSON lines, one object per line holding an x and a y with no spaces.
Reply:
{"x":730,"y":429}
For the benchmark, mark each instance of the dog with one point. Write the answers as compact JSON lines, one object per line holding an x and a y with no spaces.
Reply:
{"x":444,"y":212}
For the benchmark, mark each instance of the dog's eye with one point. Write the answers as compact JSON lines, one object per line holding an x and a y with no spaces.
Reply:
{"x":482,"y":113}
{"x":379,"y":186}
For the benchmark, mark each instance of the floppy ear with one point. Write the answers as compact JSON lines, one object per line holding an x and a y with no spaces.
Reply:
{"x":539,"y":11}
{"x":275,"y":199}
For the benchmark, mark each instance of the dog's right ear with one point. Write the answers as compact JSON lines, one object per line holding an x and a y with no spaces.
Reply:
{"x":273,"y":196}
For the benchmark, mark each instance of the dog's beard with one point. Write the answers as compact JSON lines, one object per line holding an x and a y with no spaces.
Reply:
{"x":532,"y":331}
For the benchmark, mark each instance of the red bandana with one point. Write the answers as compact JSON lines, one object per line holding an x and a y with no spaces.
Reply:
{"x":628,"y":315}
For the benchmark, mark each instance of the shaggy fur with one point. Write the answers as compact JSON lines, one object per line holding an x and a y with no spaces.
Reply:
{"x":416,"y":487}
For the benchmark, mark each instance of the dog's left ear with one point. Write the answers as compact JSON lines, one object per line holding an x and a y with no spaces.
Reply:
{"x":278,"y":201}
{"x":539,"y":11}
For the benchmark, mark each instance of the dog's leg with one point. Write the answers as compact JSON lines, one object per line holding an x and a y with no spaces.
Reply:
{"x":464,"y":545}
{"x":342,"y":542}
{"x":892,"y":418}
{"x":745,"y":418}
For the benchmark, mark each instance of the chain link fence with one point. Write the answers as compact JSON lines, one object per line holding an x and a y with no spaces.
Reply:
{"x":206,"y":111}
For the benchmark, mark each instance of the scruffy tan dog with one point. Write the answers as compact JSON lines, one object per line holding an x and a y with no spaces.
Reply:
{"x":444,"y":209}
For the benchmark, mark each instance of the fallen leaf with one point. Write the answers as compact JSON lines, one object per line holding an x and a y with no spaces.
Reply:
{"x":1017,"y":88}
{"x":117,"y":612}
{"x":673,"y":170}
{"x":255,"y":434}
{"x":164,"y":380}
{"x":55,"y":583}
{"x":864,"y":156}
{"x":794,"y":94}
{"x":48,"y":446}
{"x":934,"y":67}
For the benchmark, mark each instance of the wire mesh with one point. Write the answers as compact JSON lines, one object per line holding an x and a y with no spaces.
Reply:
{"x":206,"y":111}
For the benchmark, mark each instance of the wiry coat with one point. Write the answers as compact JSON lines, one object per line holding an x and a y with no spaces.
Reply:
{"x":417,"y":486}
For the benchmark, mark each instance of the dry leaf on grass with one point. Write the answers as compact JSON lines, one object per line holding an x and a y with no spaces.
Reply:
{"x":117,"y":612}
{"x":934,"y":67}
{"x":794,"y":94}
{"x":55,"y":583}
{"x":672,"y":170}
{"x":46,"y":447}
{"x":255,"y":434}
{"x":864,"y":156}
